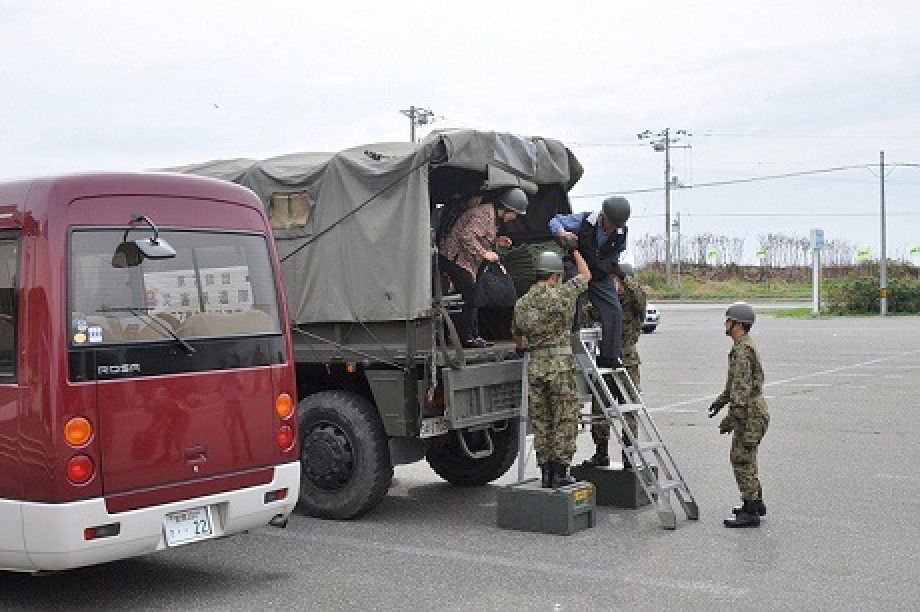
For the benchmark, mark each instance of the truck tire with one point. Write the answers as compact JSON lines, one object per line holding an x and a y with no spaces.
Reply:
{"x":449,"y":461}
{"x":344,"y":458}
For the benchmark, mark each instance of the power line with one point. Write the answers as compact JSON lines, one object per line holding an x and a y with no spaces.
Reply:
{"x":753,"y":179}
{"x":808,"y":214}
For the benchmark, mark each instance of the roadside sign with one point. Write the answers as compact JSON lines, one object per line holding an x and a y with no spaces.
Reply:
{"x":712,"y":255}
{"x":762,"y":252}
{"x":915,"y":250}
{"x":817,"y":239}
{"x":864,"y":254}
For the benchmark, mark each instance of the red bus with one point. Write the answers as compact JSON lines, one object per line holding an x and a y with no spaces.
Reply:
{"x":147,"y":386}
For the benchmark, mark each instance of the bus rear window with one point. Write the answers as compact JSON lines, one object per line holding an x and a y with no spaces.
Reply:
{"x":219,"y":284}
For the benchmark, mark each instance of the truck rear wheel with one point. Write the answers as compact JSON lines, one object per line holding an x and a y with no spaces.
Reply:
{"x":451,"y":463}
{"x":344,"y":457}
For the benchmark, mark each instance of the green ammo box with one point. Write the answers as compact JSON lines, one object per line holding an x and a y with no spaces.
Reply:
{"x":615,"y":487}
{"x":526,"y":506}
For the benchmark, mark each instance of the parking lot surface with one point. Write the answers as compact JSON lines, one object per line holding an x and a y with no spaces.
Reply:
{"x":839,"y":468}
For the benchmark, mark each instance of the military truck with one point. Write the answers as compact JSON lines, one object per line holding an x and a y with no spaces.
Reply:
{"x":382,"y":378}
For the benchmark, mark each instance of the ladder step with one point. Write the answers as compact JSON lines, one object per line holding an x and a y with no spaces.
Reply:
{"x":645,"y":446}
{"x":669,"y":485}
{"x":626,"y":408}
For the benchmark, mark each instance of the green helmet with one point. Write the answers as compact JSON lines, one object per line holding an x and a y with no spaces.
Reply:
{"x":741,"y":312}
{"x":616,"y":209}
{"x":549,"y":262}
{"x":625,"y":269}
{"x":514,"y":199}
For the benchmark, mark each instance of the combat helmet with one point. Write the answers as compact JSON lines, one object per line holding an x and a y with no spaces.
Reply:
{"x":616,"y":209}
{"x":514,"y":199}
{"x":742,"y":312}
{"x":625,"y":269}
{"x":549,"y":262}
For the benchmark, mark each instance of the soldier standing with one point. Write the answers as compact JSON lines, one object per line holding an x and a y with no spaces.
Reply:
{"x":543,"y":316}
{"x":747,"y":417}
{"x":633,"y":302}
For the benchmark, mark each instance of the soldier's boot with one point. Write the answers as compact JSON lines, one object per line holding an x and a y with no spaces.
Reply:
{"x":546,"y":475}
{"x":601,"y":457}
{"x":761,"y":507}
{"x":746,"y":517}
{"x":561,"y":477}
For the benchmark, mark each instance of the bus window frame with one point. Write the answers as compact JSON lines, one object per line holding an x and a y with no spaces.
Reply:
{"x":9,"y":374}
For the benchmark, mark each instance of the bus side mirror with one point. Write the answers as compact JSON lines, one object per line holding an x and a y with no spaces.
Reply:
{"x":131,"y":254}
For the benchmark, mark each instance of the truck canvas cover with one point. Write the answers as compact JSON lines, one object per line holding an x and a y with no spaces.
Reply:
{"x":363,"y":249}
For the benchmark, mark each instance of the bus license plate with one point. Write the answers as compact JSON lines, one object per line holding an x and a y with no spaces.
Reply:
{"x":187,"y":526}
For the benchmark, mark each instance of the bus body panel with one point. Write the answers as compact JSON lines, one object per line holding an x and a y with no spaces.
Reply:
{"x":174,"y":428}
{"x":10,"y":484}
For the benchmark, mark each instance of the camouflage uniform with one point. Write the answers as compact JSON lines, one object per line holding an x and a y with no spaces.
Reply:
{"x":633,"y":302}
{"x":747,"y":414}
{"x":544,"y":316}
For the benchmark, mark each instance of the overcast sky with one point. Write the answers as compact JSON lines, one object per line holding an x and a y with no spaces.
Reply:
{"x":778,"y":88}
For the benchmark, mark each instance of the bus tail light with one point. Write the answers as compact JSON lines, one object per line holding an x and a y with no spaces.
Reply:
{"x":78,"y":431}
{"x":284,"y":406}
{"x":285,"y":437}
{"x":80,"y":469}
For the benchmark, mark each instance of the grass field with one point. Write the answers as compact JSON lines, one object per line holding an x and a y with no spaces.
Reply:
{"x":692,"y":288}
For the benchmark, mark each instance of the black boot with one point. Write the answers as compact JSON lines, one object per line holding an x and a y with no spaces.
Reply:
{"x":761,"y":508}
{"x":601,"y":456}
{"x":746,"y":517}
{"x":561,"y":477}
{"x":626,"y":464}
{"x":546,"y":475}
{"x":759,"y":505}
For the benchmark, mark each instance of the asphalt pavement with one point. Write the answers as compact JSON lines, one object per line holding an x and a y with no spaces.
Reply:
{"x":838,"y":464}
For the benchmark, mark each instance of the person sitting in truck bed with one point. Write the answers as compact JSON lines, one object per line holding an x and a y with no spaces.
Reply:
{"x":468,"y":242}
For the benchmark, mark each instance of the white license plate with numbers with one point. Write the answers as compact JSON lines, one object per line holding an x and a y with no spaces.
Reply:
{"x":187,"y":526}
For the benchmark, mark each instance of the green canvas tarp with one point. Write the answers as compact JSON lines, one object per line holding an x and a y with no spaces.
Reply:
{"x":364,"y":253}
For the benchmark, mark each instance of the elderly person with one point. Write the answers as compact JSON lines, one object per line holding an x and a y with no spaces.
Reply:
{"x":469,"y":242}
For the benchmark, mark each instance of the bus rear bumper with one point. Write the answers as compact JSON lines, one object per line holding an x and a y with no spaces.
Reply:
{"x":54,"y":535}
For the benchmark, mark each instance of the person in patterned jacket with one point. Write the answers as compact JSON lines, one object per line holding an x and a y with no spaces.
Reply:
{"x":747,"y":417}
{"x":543,"y":320}
{"x":471,"y":240}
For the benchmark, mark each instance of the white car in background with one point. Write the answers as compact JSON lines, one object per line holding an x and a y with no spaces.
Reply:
{"x":652,"y":317}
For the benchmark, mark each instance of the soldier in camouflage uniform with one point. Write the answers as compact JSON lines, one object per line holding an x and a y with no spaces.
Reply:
{"x":747,"y":417}
{"x":543,"y":317}
{"x":633,"y":302}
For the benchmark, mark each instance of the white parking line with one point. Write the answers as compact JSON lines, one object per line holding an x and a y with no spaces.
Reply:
{"x":793,"y":379}
{"x":486,"y":561}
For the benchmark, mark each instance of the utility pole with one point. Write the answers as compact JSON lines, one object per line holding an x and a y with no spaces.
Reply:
{"x":676,"y":226}
{"x":663,"y":142}
{"x":417,"y":116}
{"x":883,"y":257}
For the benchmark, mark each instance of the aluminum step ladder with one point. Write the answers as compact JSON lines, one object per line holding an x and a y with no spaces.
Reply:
{"x":646,"y":451}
